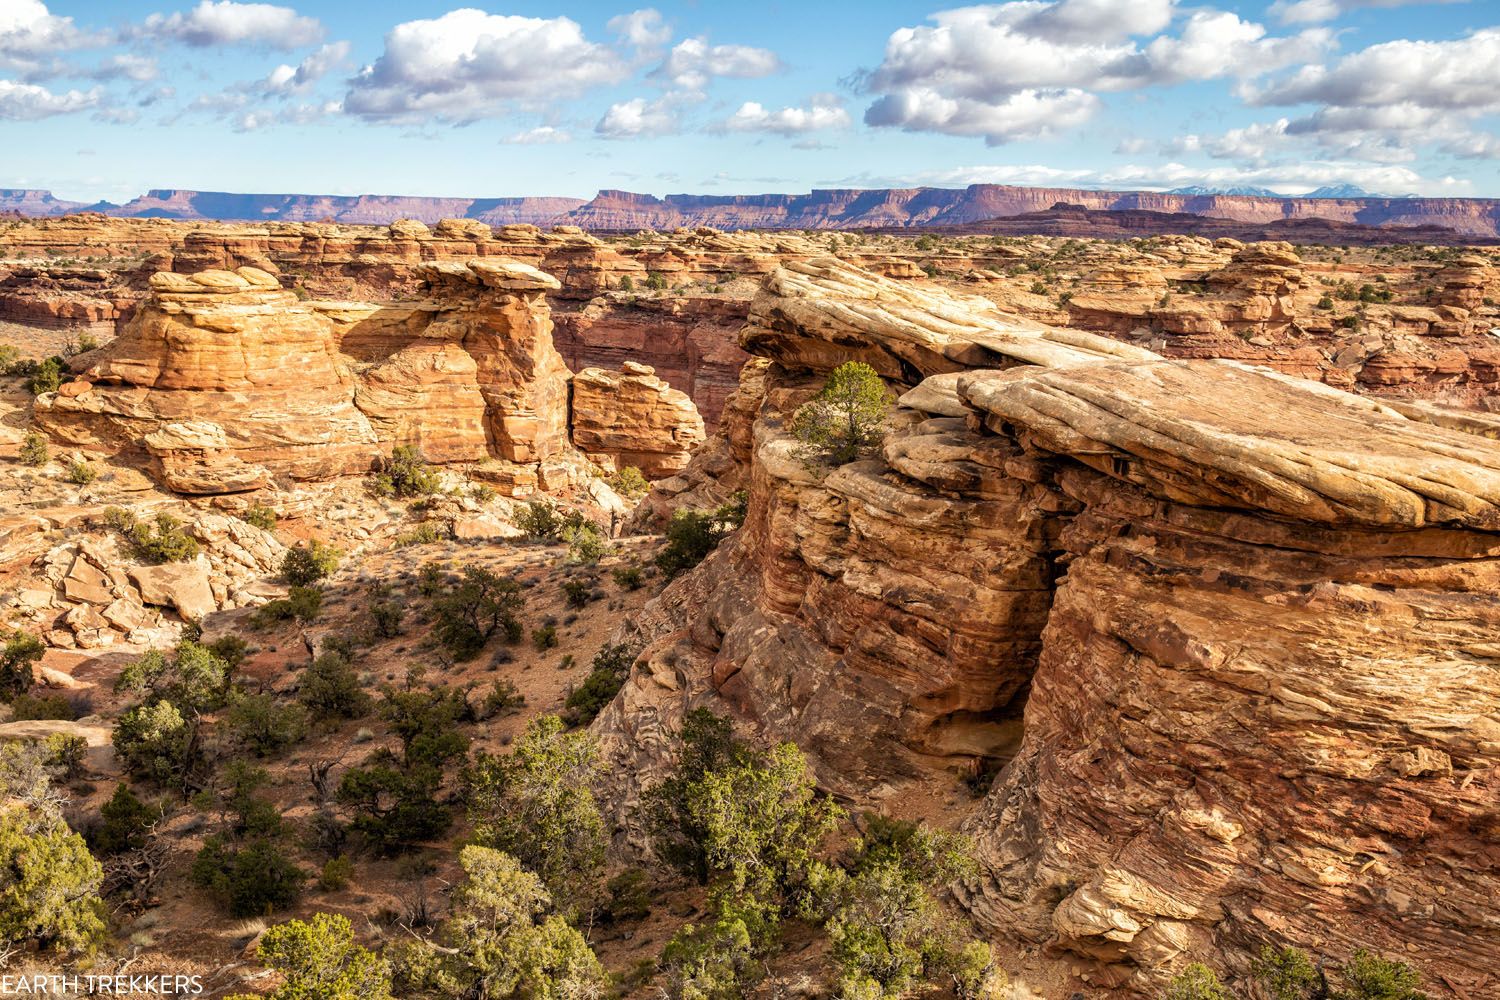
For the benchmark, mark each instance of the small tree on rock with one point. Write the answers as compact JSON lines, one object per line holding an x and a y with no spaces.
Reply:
{"x":843,"y":420}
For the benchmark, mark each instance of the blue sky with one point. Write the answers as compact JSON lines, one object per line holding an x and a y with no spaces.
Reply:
{"x":107,"y":99}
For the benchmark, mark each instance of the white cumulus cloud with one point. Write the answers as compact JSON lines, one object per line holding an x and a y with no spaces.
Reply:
{"x":225,"y":22}
{"x":693,"y":62}
{"x":30,"y":102}
{"x":285,"y":79}
{"x":637,"y":117}
{"x":468,"y":65}
{"x":822,"y":112}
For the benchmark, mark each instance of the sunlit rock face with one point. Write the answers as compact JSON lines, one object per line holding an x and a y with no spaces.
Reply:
{"x":1231,"y":634}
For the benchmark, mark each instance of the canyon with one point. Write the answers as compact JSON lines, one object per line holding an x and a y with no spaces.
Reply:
{"x":848,"y":208}
{"x":1171,"y":581}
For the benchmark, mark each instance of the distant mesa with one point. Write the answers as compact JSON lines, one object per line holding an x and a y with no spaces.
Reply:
{"x":834,"y":208}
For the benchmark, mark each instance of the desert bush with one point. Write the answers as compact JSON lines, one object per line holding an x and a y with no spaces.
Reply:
{"x":538,"y":805}
{"x":544,"y":637}
{"x":629,"y":482}
{"x":155,"y":742}
{"x":611,"y":667}
{"x":336,"y":873}
{"x":715,"y":962}
{"x":301,"y":603}
{"x":45,"y":376}
{"x":27,"y":707}
{"x":1197,"y":982}
{"x":405,"y":475}
{"x":262,"y":725}
{"x":692,"y":534}
{"x":34,"y":450}
{"x":394,"y":796}
{"x":586,"y":542}
{"x":656,"y":281}
{"x":49,"y":884}
{"x":578,"y":593}
{"x":124,"y":823}
{"x":18,"y":656}
{"x":706,"y":744}
{"x":844,"y":419}
{"x":538,"y":520}
{"x":628,"y":577}
{"x":385,"y":618}
{"x":81,"y":473}
{"x":502,"y":699}
{"x":503,"y":931}
{"x":160,"y":540}
{"x":260,"y":516}
{"x":319,"y":960}
{"x":423,"y":534}
{"x":304,"y":565}
{"x":194,"y":677}
{"x":248,"y":881}
{"x":329,"y":689}
{"x":887,"y":930}
{"x":479,"y":605}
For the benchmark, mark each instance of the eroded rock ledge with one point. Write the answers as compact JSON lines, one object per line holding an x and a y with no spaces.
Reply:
{"x":1232,"y":634}
{"x":224,"y":381}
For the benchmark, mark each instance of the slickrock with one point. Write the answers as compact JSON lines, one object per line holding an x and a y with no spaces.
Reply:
{"x":1231,"y":633}
{"x":634,"y":418}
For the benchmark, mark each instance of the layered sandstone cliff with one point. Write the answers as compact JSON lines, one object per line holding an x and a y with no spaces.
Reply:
{"x":1229,"y":632}
{"x":224,"y":380}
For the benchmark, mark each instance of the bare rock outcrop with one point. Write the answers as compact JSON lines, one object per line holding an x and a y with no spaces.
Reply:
{"x":1230,"y":633}
{"x":224,"y":380}
{"x":633,"y":418}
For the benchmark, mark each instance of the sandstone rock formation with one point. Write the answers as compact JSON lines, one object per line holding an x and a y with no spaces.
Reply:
{"x":1230,"y":632}
{"x":223,"y":380}
{"x":631,"y":417}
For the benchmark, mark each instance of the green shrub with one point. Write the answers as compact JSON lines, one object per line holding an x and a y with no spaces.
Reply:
{"x":34,"y":450}
{"x":304,"y":565}
{"x":611,"y":667}
{"x":27,"y":707}
{"x":49,"y":883}
{"x":318,"y":960}
{"x":482,"y":603}
{"x":1197,"y":982}
{"x":502,"y":699}
{"x":386,"y":617}
{"x":692,"y":534}
{"x":46,"y":376}
{"x":260,"y":516}
{"x":716,"y":962}
{"x":706,"y":744}
{"x":124,"y":822}
{"x":161,"y":540}
{"x":330,"y":689}
{"x":405,"y":475}
{"x":538,"y":520}
{"x":17,"y":659}
{"x":626,"y":285}
{"x":578,"y":593}
{"x":194,"y":677}
{"x":586,"y":542}
{"x":656,"y":281}
{"x":537,"y":804}
{"x":844,"y":419}
{"x":423,"y":534}
{"x":394,"y":797}
{"x":1369,"y":977}
{"x":81,"y":473}
{"x":628,"y":897}
{"x":336,"y":873}
{"x":502,"y":931}
{"x":262,"y":725}
{"x":248,"y":881}
{"x":301,"y":603}
{"x":155,"y":742}
{"x":629,"y":483}
{"x":628,"y":577}
{"x":482,"y":493}
{"x":544,"y":637}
